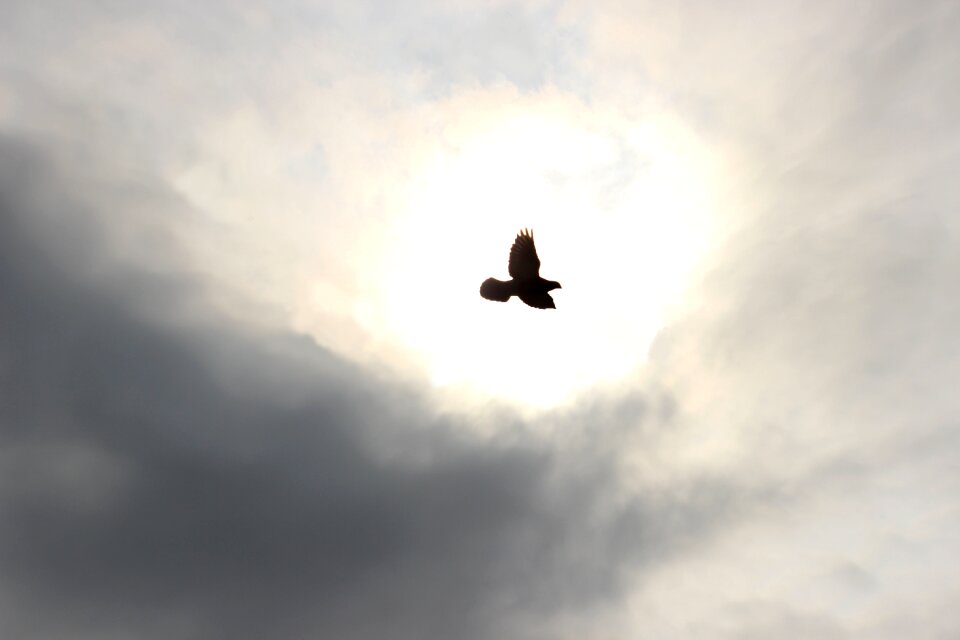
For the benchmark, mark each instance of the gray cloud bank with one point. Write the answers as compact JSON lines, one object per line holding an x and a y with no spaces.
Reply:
{"x":171,"y":475}
{"x":167,"y":472}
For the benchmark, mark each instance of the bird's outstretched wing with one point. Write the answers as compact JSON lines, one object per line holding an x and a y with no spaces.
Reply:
{"x":524,"y":262}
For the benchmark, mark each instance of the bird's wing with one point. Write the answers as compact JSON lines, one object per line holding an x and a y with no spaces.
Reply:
{"x":538,"y":300}
{"x":524,"y":262}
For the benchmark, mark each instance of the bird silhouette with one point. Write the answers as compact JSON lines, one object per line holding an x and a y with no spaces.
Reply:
{"x":526,"y":283}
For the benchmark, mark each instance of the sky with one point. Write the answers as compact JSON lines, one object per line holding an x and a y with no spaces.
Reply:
{"x":248,"y":388}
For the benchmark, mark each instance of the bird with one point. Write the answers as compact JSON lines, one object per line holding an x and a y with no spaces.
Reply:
{"x":525,"y":283}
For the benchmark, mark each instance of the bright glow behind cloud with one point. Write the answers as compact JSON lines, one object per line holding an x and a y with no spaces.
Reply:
{"x":372,"y":231}
{"x":621,"y":213}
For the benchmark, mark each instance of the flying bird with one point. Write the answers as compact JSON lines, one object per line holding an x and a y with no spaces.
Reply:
{"x":526,"y":283}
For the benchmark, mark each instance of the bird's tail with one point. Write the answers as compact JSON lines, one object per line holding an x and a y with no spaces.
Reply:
{"x":493,"y":289}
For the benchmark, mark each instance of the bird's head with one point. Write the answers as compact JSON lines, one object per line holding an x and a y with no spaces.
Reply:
{"x":551,"y":285}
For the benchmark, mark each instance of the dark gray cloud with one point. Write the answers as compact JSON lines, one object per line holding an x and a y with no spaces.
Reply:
{"x":172,"y":475}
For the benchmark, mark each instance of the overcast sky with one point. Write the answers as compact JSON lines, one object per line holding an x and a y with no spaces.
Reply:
{"x":248,"y":388}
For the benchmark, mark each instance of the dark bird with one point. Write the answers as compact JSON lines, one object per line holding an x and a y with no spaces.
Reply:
{"x":526,"y":284}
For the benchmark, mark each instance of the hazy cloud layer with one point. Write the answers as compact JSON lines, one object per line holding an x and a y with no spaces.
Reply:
{"x":176,"y":462}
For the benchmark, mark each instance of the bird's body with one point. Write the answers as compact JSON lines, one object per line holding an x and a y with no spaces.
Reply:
{"x":526,"y":283}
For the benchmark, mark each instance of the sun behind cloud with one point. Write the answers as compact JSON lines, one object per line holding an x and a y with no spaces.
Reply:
{"x":621,"y":212}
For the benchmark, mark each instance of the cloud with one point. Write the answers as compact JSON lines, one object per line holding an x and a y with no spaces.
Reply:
{"x":782,"y":464}
{"x":171,"y":475}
